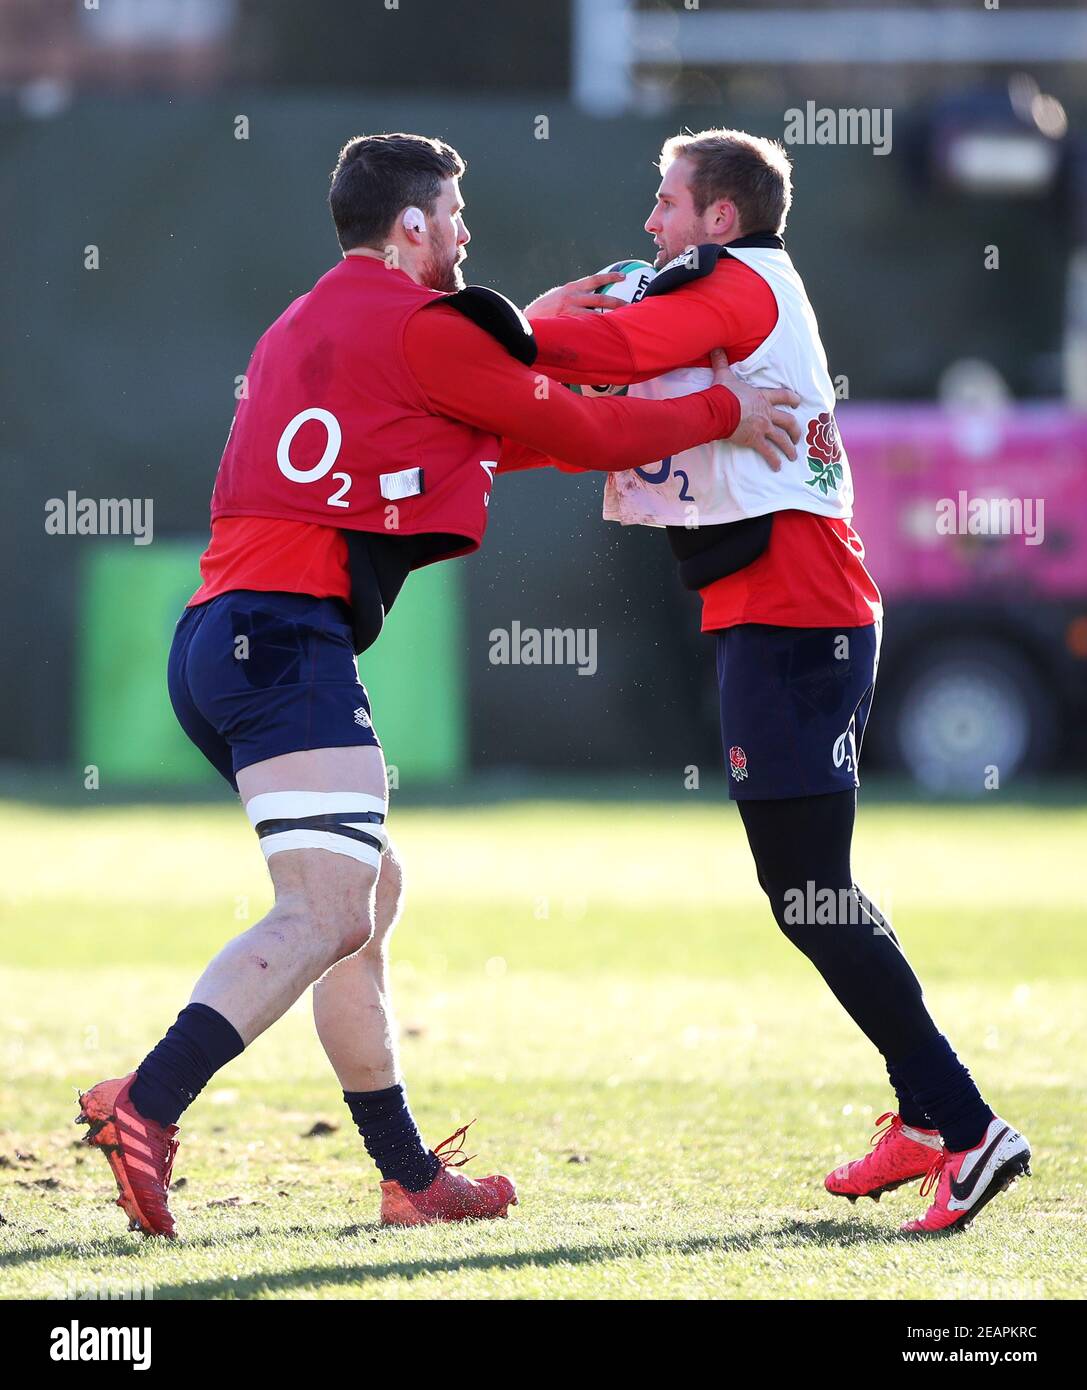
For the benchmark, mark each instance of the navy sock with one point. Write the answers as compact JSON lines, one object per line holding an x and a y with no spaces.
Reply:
{"x":910,"y":1112}
{"x":178,"y":1068}
{"x":942,"y":1087}
{"x":392,"y":1137}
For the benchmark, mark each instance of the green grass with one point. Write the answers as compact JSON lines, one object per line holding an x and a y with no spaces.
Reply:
{"x":602,"y":985}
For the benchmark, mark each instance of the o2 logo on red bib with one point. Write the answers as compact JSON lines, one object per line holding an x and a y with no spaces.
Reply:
{"x":325,"y":463}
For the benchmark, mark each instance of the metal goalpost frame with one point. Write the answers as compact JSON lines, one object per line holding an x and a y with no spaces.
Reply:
{"x":611,"y":37}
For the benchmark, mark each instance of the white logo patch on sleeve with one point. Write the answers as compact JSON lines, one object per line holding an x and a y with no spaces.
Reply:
{"x":407,"y":483}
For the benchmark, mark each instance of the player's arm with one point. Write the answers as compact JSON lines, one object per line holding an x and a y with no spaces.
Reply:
{"x":466,"y":374}
{"x":518,"y":458}
{"x":732,"y":307}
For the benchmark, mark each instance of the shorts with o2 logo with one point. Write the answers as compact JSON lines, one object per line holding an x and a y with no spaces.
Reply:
{"x":794,"y":704}
{"x":253,"y":675}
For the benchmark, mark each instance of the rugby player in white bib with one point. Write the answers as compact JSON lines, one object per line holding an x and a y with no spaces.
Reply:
{"x":796,"y":619}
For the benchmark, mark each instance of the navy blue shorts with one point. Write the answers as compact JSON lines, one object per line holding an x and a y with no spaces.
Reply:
{"x":794,"y":703}
{"x":254,"y":675}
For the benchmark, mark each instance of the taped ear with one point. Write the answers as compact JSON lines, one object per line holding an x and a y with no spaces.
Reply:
{"x":413,"y":220}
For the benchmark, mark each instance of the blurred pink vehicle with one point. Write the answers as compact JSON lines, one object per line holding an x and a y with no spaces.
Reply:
{"x":975,"y":525}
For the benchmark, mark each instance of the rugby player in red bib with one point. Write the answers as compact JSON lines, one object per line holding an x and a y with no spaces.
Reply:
{"x":375,"y":412}
{"x":796,"y":618}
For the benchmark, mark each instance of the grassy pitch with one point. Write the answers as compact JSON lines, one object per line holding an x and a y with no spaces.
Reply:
{"x":664,"y":1076}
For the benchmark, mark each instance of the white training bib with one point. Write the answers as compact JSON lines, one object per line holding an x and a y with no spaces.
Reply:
{"x":716,"y":482}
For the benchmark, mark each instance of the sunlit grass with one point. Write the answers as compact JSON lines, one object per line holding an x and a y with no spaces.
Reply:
{"x":602,"y":985}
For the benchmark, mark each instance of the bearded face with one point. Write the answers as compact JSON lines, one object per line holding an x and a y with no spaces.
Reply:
{"x":447,"y":238}
{"x":441,"y":270}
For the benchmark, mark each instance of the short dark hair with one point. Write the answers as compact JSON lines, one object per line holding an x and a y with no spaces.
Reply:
{"x":377,"y":176}
{"x":752,"y":172}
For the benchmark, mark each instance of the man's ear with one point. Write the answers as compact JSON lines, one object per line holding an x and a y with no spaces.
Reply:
{"x":413,"y":223}
{"x":726,"y":219}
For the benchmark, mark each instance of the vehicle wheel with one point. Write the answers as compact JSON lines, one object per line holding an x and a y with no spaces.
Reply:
{"x":966,"y":707}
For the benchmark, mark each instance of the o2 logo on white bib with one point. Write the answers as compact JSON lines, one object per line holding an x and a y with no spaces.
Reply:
{"x":325,"y":463}
{"x":663,"y":473}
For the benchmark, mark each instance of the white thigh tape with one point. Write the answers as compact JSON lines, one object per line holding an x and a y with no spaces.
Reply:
{"x":351,"y":823}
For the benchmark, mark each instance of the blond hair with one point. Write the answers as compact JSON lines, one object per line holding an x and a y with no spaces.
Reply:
{"x":751,"y":172}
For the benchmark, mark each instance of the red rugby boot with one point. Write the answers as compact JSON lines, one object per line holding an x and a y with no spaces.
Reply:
{"x":140,"y":1152}
{"x":901,"y":1154}
{"x":451,"y":1196}
{"x":968,"y":1180}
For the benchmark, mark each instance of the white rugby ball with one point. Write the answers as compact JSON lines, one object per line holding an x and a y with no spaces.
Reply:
{"x":637,"y":277}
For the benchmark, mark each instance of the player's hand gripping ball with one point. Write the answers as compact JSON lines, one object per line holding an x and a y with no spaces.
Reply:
{"x":637,"y":277}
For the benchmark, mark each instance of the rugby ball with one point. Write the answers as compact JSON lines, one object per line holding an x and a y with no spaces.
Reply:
{"x":637,"y":277}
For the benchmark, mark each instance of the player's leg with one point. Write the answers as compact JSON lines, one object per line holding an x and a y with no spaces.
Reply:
{"x":804,"y":842}
{"x":352,"y":1009}
{"x":322,"y":913}
{"x":249,"y":677}
{"x":319,"y":814}
{"x":801,"y":847}
{"x":352,"y":1004}
{"x":299,"y":682}
{"x":793,"y":707}
{"x":799,"y":699}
